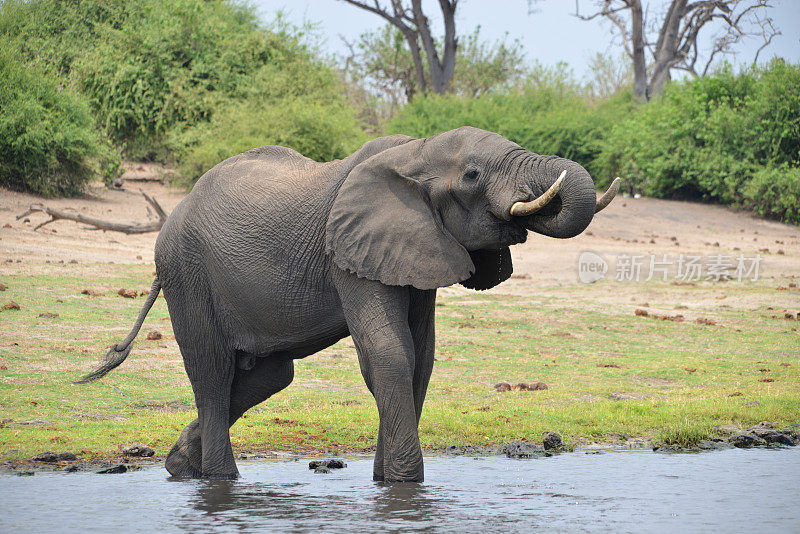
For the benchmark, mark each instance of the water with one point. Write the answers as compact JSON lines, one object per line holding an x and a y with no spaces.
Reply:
{"x":614,"y":491}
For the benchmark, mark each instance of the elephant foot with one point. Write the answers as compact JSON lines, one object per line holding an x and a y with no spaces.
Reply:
{"x":185,"y":458}
{"x":178,"y":464}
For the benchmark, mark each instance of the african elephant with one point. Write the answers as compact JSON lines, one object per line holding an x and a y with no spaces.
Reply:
{"x":273,"y":257}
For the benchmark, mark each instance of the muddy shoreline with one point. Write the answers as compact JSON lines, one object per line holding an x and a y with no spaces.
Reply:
{"x":760,"y":436}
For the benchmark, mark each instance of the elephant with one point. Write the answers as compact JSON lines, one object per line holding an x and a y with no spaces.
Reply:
{"x":273,"y":257}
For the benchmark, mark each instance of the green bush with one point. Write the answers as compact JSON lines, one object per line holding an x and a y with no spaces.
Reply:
{"x":48,"y":144}
{"x":775,"y":192}
{"x":301,"y":106}
{"x":728,"y":138}
{"x":173,"y":63}
{"x":189,"y":80}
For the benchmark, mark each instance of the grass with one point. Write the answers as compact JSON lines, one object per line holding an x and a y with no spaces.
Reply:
{"x":482,"y":339}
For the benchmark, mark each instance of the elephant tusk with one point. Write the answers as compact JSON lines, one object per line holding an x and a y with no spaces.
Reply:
{"x":608,"y":196}
{"x":520,"y":209}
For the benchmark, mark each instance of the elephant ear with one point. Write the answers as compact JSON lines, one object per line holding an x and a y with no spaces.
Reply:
{"x":383,"y":227}
{"x":491,"y":268}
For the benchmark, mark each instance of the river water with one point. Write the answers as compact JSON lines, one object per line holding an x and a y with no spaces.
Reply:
{"x":730,"y":490}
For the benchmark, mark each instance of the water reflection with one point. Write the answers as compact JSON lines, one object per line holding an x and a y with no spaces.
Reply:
{"x":409,"y":501}
{"x":572,"y":492}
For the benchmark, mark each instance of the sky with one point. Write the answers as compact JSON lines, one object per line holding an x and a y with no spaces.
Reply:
{"x":549,"y":35}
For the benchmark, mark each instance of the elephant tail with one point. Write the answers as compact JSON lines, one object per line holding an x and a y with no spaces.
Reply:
{"x":117,"y":353}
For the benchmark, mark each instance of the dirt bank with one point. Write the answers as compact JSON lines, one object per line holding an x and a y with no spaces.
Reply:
{"x":630,"y":226}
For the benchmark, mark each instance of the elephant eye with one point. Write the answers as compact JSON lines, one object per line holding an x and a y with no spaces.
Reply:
{"x":471,"y":175}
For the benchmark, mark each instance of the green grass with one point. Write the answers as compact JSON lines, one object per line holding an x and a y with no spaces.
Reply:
{"x":481,"y":340}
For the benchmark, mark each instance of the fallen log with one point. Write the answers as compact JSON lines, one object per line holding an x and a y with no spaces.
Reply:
{"x":135,"y":228}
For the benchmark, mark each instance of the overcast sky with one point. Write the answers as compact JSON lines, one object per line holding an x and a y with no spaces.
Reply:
{"x":550,"y":35}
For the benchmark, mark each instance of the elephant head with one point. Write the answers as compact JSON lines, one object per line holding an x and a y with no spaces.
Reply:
{"x":443,"y":210}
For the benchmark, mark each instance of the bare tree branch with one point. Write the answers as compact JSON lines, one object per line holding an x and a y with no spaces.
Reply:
{"x":136,"y":228}
{"x":415,"y":27}
{"x":676,"y":44}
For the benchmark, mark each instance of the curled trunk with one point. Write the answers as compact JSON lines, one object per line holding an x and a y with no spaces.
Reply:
{"x":571,"y":210}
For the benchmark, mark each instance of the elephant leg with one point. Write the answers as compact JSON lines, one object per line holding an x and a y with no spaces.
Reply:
{"x":377,"y":316}
{"x":210,"y":364}
{"x":249,"y":388}
{"x":421,"y":321}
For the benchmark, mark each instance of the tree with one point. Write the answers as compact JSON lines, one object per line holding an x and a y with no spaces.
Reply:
{"x":382,"y":62}
{"x":415,"y":28}
{"x":673,"y":43}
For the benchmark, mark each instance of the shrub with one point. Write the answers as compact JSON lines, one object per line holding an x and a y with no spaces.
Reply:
{"x":195,"y":79}
{"x":724,"y":138}
{"x":47,"y":141}
{"x":301,"y":106}
{"x":173,"y":63}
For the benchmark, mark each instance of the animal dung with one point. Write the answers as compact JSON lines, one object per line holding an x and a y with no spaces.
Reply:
{"x":91,"y":293}
{"x":10,"y":305}
{"x":520,"y":386}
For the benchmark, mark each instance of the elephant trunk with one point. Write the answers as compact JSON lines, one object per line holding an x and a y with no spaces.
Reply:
{"x":571,"y":208}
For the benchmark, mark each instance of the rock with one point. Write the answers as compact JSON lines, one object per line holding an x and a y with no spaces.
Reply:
{"x":321,"y":470}
{"x":137,"y":449}
{"x":714,"y":444}
{"x":768,"y":433}
{"x":24,"y":473}
{"x":154,"y":335}
{"x":328,"y":464}
{"x":10,"y":305}
{"x":523,"y":449}
{"x":552,"y":441}
{"x":745,"y":440}
{"x":727,"y":430}
{"x":115,"y":470}
{"x":502,"y":386}
{"x":51,"y":457}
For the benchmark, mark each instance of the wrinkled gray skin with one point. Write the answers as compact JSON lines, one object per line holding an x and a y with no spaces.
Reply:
{"x":273,"y":257}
